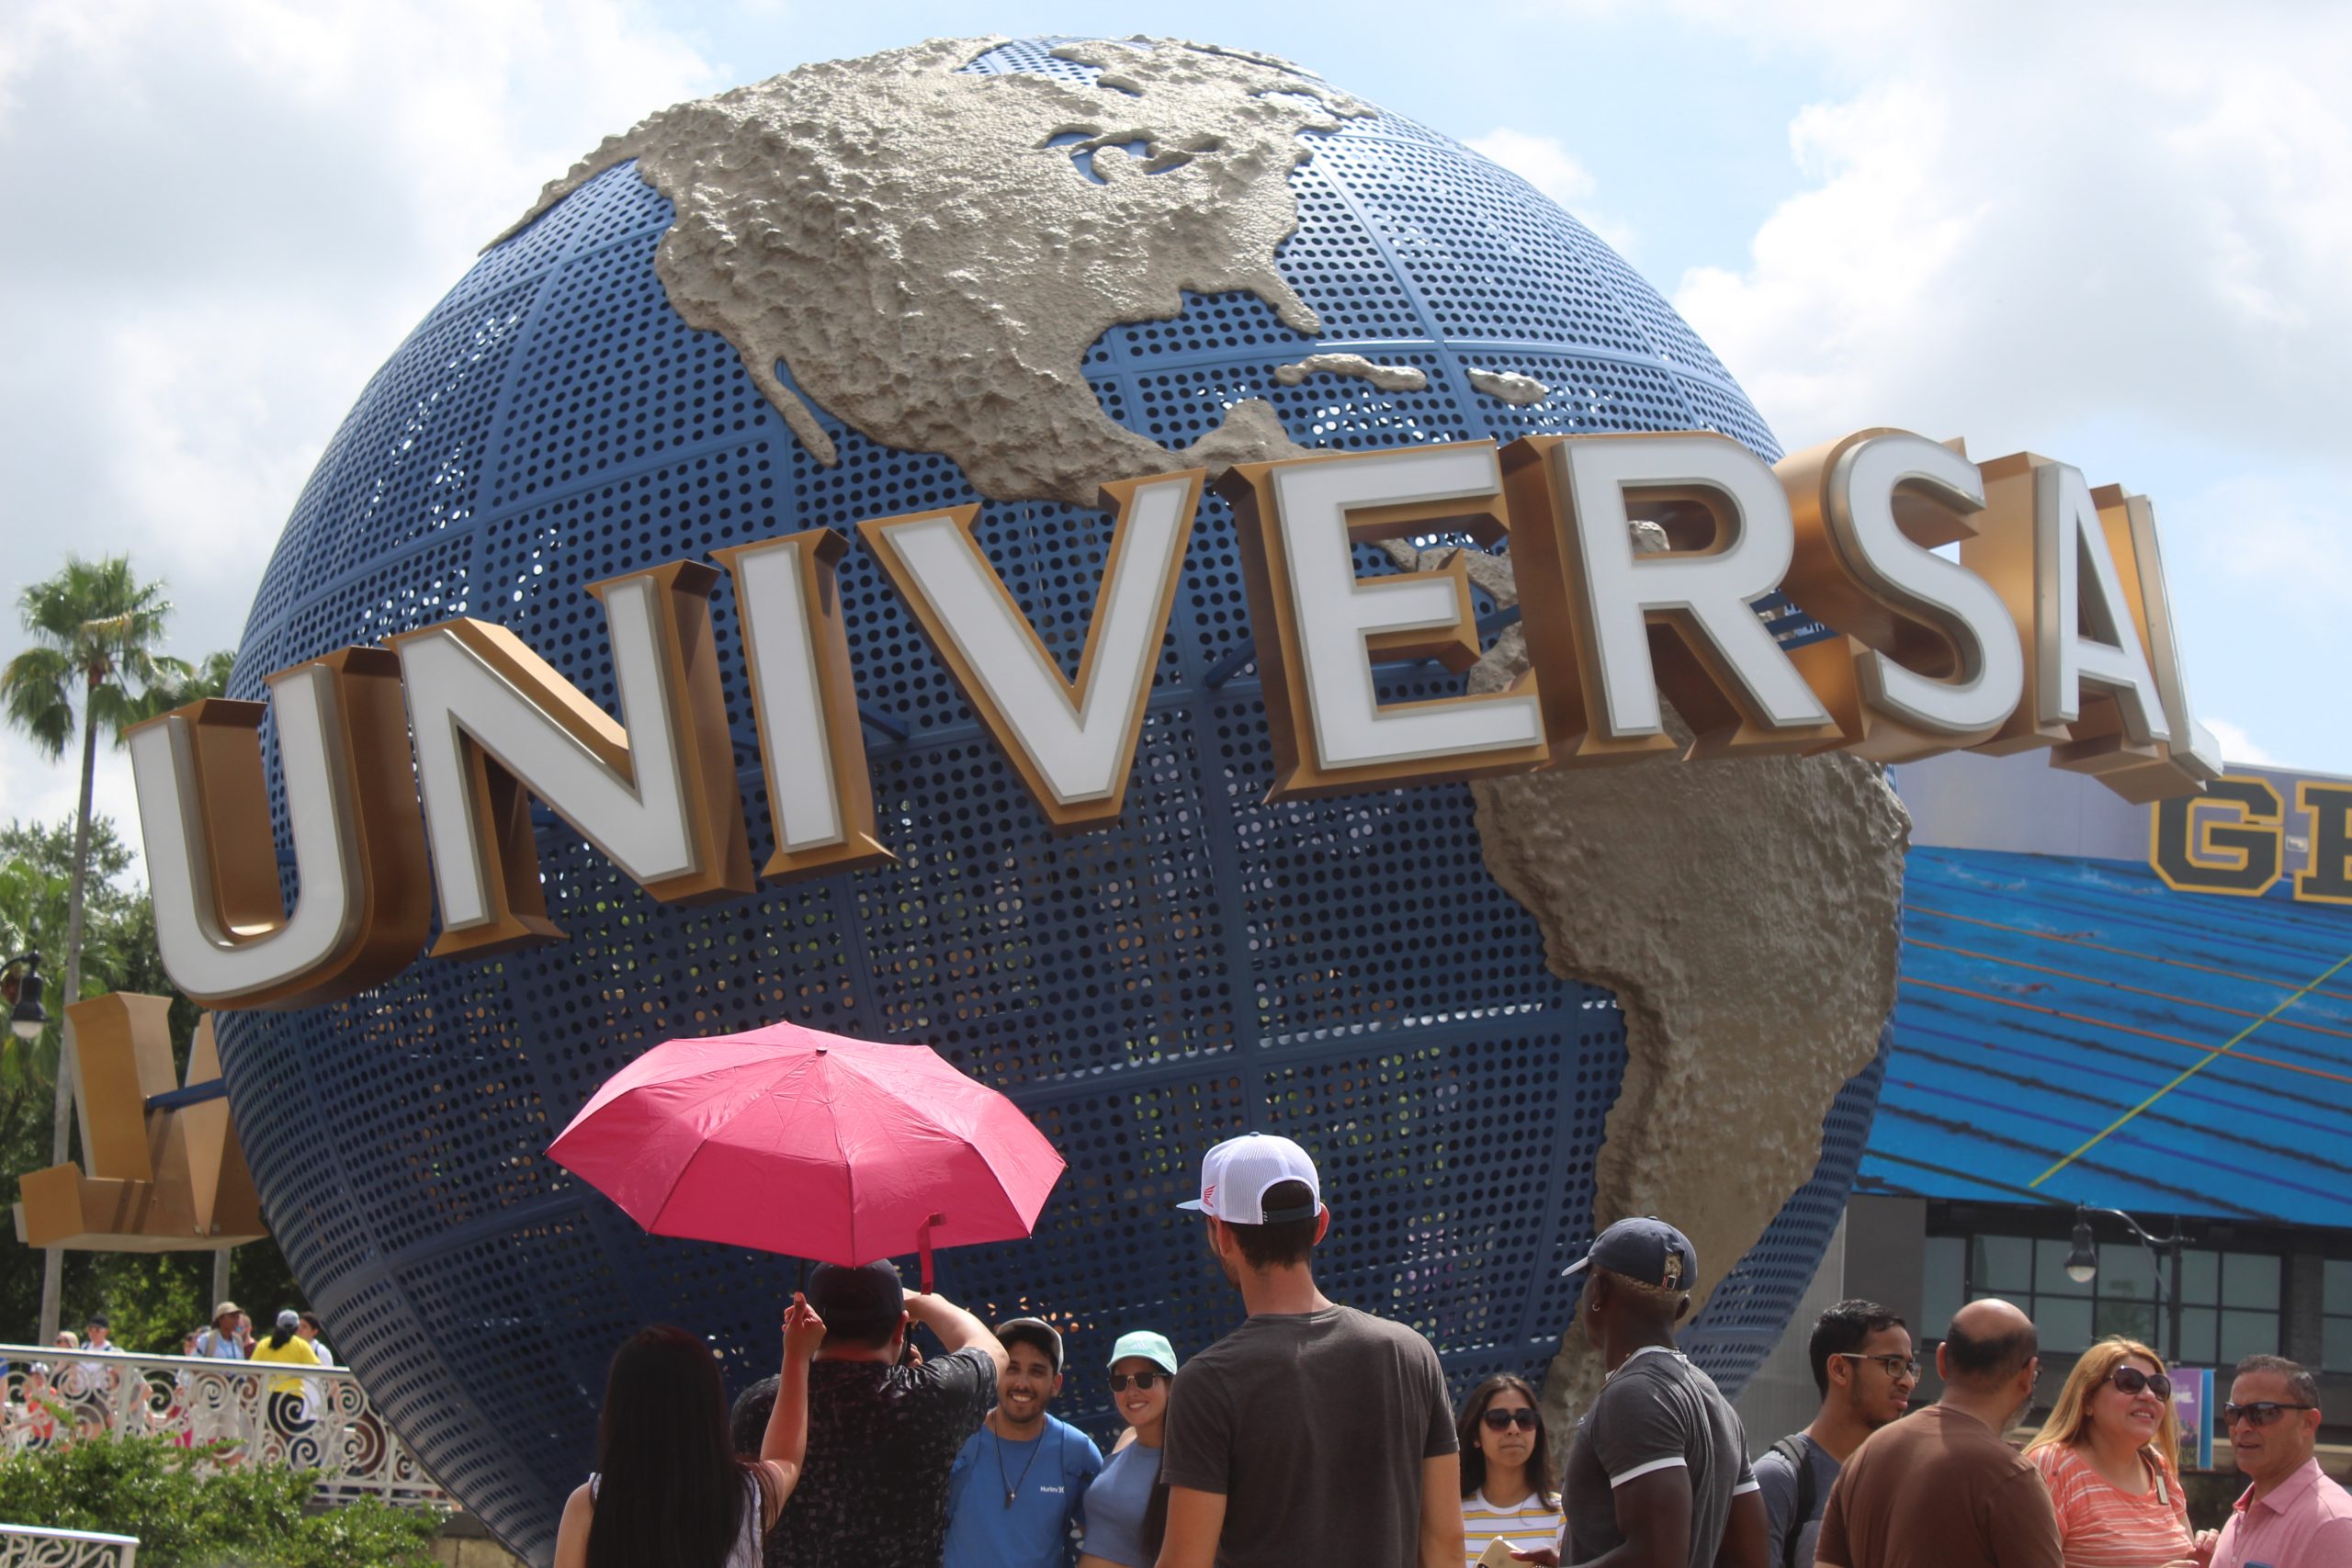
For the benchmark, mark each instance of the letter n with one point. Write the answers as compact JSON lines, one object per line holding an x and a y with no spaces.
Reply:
{"x":493,"y":723}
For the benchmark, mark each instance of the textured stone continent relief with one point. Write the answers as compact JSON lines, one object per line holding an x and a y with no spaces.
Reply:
{"x":1508,"y":384}
{"x":1387,"y":377}
{"x":1746,"y":912}
{"x":931,"y":253}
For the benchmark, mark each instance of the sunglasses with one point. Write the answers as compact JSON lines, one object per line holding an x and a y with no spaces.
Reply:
{"x":1899,"y":1368}
{"x":1504,"y":1420}
{"x":1119,"y":1380}
{"x":2131,"y":1380}
{"x":2261,"y":1412}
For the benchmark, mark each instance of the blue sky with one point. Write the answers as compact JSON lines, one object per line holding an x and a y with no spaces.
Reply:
{"x":2117,"y":236}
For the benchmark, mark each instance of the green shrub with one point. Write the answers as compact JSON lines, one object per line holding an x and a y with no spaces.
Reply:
{"x":247,"y":1516}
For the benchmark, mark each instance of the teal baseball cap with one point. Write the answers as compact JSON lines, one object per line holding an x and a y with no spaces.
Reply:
{"x":1147,"y":1346}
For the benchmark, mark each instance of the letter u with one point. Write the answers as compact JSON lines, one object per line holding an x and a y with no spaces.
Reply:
{"x":364,"y":905}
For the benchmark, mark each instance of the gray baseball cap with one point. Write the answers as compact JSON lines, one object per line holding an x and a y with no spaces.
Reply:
{"x":1646,"y":1249}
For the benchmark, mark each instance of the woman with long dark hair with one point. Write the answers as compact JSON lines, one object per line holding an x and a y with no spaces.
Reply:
{"x":1506,"y":1489}
{"x":669,"y":1491}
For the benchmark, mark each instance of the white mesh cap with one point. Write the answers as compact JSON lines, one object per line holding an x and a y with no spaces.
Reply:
{"x":1236,"y":1174}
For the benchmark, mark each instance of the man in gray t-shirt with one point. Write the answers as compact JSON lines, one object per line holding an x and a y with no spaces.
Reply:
{"x":1659,"y":1461}
{"x":1312,"y":1433}
{"x":1313,"y":1427}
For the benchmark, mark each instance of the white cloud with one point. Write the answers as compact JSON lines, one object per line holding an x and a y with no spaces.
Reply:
{"x":2237,"y":746}
{"x":227,"y":213}
{"x":1542,"y":161}
{"x":1546,"y":163}
{"x":2145,"y":212}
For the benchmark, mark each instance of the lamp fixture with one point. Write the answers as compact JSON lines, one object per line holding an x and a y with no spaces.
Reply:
{"x":23,"y":987}
{"x":2082,"y":1264}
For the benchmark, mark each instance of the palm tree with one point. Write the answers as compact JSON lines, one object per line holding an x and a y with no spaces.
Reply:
{"x":208,"y":677}
{"x":93,"y":662}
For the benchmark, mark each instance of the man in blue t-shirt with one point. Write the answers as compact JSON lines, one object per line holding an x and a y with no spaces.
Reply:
{"x":1019,"y":1485}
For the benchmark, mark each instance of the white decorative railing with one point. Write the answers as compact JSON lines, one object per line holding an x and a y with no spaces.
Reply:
{"x":322,"y":1422}
{"x":21,"y":1546}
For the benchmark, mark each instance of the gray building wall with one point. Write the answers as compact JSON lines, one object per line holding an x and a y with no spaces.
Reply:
{"x":1779,"y":1397}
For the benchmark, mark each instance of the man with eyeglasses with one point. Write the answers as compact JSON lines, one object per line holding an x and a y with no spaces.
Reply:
{"x":2293,"y":1516}
{"x":1943,"y":1489}
{"x":1862,"y":1360}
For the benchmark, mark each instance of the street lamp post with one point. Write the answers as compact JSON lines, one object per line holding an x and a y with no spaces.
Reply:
{"x":2082,"y":1267}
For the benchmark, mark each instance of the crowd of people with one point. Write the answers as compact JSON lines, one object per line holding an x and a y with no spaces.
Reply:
{"x":1314,"y":1433}
{"x":295,"y":1342}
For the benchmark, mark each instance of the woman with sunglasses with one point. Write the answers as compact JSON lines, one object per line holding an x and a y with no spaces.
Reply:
{"x":2106,"y":1453}
{"x":1122,"y":1526}
{"x":1507,"y":1492}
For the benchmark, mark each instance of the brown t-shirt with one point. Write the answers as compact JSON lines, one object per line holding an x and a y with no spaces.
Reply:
{"x":1939,"y":1490}
{"x":1314,"y":1427}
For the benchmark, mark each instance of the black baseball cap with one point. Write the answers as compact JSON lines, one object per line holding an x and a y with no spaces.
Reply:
{"x":865,"y":1288}
{"x":1646,"y":1249}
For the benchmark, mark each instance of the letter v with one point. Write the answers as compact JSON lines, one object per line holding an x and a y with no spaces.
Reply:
{"x":1073,"y":742}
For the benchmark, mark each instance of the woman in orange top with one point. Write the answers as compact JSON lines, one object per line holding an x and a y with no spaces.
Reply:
{"x":2107,"y":1455}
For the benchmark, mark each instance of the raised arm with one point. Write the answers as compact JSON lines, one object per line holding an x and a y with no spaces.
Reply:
{"x":785,"y":1445}
{"x":958,"y":1330}
{"x":1441,"y":1511}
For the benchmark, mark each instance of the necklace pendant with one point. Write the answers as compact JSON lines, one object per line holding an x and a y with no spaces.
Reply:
{"x":1007,"y":1499}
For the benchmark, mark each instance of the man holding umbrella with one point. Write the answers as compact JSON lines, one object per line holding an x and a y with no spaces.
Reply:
{"x":881,"y":1435}
{"x":818,"y":1146}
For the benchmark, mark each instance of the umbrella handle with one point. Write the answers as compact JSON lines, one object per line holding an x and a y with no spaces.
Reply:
{"x":922,"y":1247}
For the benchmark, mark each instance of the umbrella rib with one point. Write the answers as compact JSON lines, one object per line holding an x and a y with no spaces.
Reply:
{"x":678,"y":1182}
{"x":849,"y":1168}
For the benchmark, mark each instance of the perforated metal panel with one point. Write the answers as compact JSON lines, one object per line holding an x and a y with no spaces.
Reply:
{"x":1344,"y":971}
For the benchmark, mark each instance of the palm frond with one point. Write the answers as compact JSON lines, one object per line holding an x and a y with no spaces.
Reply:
{"x":211,"y":676}
{"x":37,"y":691}
{"x":95,"y":626}
{"x":116,"y":709}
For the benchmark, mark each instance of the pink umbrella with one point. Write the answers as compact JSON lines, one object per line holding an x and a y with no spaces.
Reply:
{"x":793,"y":1141}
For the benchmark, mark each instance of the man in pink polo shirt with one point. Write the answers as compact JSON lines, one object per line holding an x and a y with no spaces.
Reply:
{"x":2292,"y":1517}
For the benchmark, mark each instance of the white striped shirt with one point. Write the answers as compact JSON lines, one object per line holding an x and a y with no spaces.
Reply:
{"x":1529,"y":1524}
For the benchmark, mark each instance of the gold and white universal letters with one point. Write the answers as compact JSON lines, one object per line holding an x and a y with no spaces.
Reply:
{"x":2052,"y":630}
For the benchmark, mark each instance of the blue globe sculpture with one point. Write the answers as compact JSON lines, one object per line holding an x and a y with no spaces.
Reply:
{"x":1345,"y":971}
